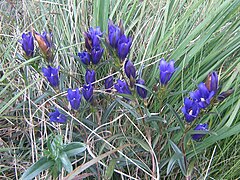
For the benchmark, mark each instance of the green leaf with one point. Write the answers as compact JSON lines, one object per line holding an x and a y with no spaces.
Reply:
{"x":108,"y":111}
{"x":41,"y":165}
{"x":179,"y":156}
{"x":130,"y":109}
{"x":177,"y":117}
{"x":110,"y":168}
{"x":66,"y":162}
{"x":74,"y":148}
{"x":172,"y":161}
{"x":83,"y":167}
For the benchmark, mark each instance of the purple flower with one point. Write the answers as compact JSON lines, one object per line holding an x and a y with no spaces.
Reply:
{"x":74,"y":97}
{"x":123,"y":46}
{"x":92,"y":38}
{"x":122,"y":87}
{"x":108,"y":83}
{"x":85,"y":57}
{"x":199,"y":127}
{"x":140,"y":90}
{"x":52,"y":75}
{"x":212,"y":82}
{"x":56,"y":116}
{"x":190,"y":110}
{"x":27,"y":44}
{"x":87,"y":92}
{"x":114,"y":33}
{"x":96,"y":54}
{"x":166,"y":71}
{"x":202,"y":95}
{"x":90,"y":76}
{"x":129,"y":69}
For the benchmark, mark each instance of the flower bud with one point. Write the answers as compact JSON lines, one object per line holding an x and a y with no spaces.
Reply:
{"x":140,"y":90}
{"x":166,"y":71}
{"x":90,"y":76}
{"x":129,"y":69}
{"x":225,"y":94}
{"x":212,"y":82}
{"x":108,"y":83}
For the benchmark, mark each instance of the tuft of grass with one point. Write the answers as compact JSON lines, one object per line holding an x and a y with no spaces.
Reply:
{"x":201,"y":36}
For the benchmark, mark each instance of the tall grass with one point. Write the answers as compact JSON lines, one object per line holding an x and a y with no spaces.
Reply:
{"x":201,"y":36}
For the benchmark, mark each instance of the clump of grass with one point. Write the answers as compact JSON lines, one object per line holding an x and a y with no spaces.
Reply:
{"x":201,"y":37}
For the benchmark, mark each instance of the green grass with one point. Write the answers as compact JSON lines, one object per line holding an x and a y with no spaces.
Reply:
{"x":201,"y":36}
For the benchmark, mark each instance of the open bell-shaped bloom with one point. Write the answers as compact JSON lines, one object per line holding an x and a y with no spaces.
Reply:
{"x":190,"y":110}
{"x":199,"y":127}
{"x":90,"y":76}
{"x":96,"y":54}
{"x":87,"y":92}
{"x":74,"y":97}
{"x":27,"y":44}
{"x":202,"y":95}
{"x":166,"y":71}
{"x":52,"y":75}
{"x":57,"y":117}
{"x":122,"y":87}
{"x":85,"y":57}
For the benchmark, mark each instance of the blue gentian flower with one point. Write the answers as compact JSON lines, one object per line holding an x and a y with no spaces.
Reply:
{"x":122,"y":87}
{"x":108,"y":83}
{"x":202,"y":95}
{"x":87,"y":92}
{"x":74,"y":97}
{"x":85,"y":57}
{"x":166,"y":71}
{"x":114,"y":34}
{"x":27,"y":44}
{"x":129,"y":69}
{"x":92,"y":38}
{"x":190,"y":110}
{"x":90,"y":76}
{"x":123,"y":46}
{"x":212,"y":82}
{"x":96,"y":54}
{"x":199,"y":127}
{"x":57,"y":117}
{"x":140,"y":90}
{"x":52,"y":75}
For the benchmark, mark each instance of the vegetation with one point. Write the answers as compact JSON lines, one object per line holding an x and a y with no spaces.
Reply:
{"x":119,"y":135}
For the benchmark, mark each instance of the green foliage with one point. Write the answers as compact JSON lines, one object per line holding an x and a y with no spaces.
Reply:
{"x":56,"y":156}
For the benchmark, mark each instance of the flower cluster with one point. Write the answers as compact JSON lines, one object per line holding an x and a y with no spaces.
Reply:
{"x":200,"y":99}
{"x":118,"y":40}
{"x":94,"y":50}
